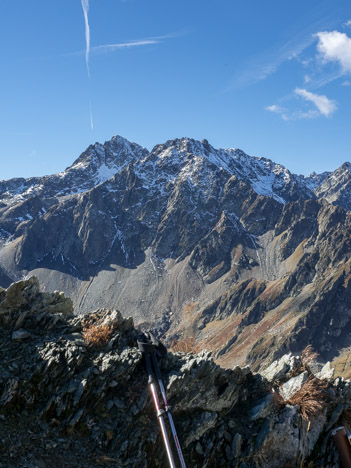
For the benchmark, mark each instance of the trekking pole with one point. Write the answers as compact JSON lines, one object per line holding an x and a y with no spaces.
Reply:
{"x":168,"y":410}
{"x":342,"y":444}
{"x":148,"y":349}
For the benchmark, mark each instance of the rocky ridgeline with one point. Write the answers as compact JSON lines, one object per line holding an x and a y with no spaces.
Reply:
{"x":64,"y":402}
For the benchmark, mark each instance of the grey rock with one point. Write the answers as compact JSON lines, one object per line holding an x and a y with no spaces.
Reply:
{"x":281,"y":444}
{"x":279,"y":369}
{"x":327,"y":372}
{"x":293,"y":385}
{"x":20,"y":335}
{"x":262,"y":408}
{"x":236,"y":445}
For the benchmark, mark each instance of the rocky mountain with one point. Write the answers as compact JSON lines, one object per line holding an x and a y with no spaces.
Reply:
{"x":248,"y":259}
{"x":72,"y":396}
{"x":21,"y":200}
{"x":336,"y":187}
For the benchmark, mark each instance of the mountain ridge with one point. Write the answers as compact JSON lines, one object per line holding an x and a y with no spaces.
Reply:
{"x":176,"y":229}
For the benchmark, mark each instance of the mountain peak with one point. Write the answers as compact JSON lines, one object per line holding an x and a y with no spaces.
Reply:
{"x":185,"y":145}
{"x":346,"y":166}
{"x":113,"y":154}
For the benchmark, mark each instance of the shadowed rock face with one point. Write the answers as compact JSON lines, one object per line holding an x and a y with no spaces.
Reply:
{"x":65,"y":402}
{"x":233,"y":250}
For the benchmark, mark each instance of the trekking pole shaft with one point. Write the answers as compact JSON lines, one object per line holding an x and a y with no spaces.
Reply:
{"x":343,"y":446}
{"x":159,"y":412}
{"x":168,"y":410}
{"x":163,"y":426}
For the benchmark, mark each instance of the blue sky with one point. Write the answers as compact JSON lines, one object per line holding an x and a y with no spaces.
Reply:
{"x":272,"y":78}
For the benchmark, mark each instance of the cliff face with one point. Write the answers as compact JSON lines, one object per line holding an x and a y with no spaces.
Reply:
{"x":65,"y":402}
{"x":303,"y":296}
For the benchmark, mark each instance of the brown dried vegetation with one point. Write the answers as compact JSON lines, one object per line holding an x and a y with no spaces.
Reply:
{"x":312,"y":398}
{"x":186,"y":345}
{"x":97,"y":335}
{"x":308,"y":355}
{"x":190,"y":308}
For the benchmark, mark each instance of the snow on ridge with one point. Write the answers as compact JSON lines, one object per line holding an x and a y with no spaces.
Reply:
{"x":264,"y":186}
{"x":316,"y":180}
{"x":94,"y":166}
{"x":177,"y":159}
{"x":186,"y":156}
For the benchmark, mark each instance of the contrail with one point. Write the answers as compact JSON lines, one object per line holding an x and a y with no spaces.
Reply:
{"x":91,"y":117}
{"x":112,"y":47}
{"x":85,"y":6}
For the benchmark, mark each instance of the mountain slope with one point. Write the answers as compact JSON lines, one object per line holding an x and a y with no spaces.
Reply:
{"x":303,"y":298}
{"x":191,"y":239}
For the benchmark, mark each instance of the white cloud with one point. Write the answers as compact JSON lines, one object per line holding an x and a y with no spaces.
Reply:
{"x":346,"y":83}
{"x":287,"y":115}
{"x":335,"y":46}
{"x":311,"y":114}
{"x":278,"y":110}
{"x":275,"y":108}
{"x":85,"y":6}
{"x":307,"y":78}
{"x":324,"y":105}
{"x":347,"y":23}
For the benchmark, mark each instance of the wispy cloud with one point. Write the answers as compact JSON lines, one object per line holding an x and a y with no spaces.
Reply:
{"x":331,"y":47}
{"x":263,"y":66}
{"x":275,"y":108}
{"x":282,"y":111}
{"x":85,"y":6}
{"x":324,"y":105}
{"x":287,"y":115}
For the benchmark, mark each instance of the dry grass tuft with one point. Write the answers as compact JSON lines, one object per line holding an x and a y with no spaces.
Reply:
{"x":308,"y":355}
{"x":312,"y":398}
{"x":186,"y":345}
{"x":97,"y":335}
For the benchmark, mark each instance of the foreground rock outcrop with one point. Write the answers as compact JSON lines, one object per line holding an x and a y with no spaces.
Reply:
{"x":72,"y":399}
